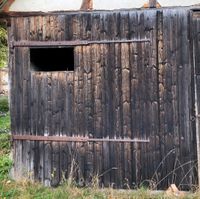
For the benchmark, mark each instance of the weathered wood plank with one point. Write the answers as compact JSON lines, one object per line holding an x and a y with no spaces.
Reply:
{"x":89,"y":110}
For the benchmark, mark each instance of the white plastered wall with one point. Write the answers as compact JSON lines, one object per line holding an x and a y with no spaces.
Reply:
{"x":56,"y":5}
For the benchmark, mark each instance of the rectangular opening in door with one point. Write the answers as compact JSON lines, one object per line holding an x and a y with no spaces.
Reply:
{"x":52,"y":59}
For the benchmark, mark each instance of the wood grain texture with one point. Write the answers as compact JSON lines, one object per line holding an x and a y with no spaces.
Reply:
{"x":124,"y":90}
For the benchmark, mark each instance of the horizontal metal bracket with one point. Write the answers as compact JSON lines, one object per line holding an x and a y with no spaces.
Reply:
{"x":23,"y":43}
{"x":74,"y":139}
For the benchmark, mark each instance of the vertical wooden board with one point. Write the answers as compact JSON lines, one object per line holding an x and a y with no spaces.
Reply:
{"x":79,"y":94}
{"x":32,"y":98}
{"x":85,"y":26}
{"x":97,"y":89}
{"x":18,"y":166}
{"x":62,"y":124}
{"x":55,"y":162}
{"x":104,"y":52}
{"x":95,"y":33}
{"x":39,"y":28}
{"x":47,"y":163}
{"x":162,"y":54}
{"x":32,"y":28}
{"x":151,"y":105}
{"x":35,"y":82}
{"x":133,"y":93}
{"x":126,"y":107}
{"x":110,"y":109}
{"x":133,"y":27}
{"x":197,"y":100}
{"x":141,"y":30}
{"x":135,"y":107}
{"x":70,"y":122}
{"x":56,"y":28}
{"x":46,"y":32}
{"x":68,"y":27}
{"x":125,"y":98}
{"x":55,"y":131}
{"x":26,"y":111}
{"x":88,"y":119}
{"x":48,"y":131}
{"x":18,"y":90}
{"x":97,"y":75}
{"x":110,"y":25}
{"x":185,"y":102}
{"x":79,"y":108}
{"x":62,"y":102}
{"x":70,"y":108}
{"x":143,"y":93}
{"x":43,"y":108}
{"x":164,"y":38}
{"x":177,"y":138}
{"x":52,"y":27}
{"x":25,"y":90}
{"x":19,"y":28}
{"x":195,"y":22}
{"x":61,"y":27}
{"x":124,"y":25}
{"x":117,"y":120}
{"x":76,"y":26}
{"x":11,"y":65}
{"x":24,"y":117}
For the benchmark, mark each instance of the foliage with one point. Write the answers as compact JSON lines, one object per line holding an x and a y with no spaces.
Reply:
{"x":3,"y":47}
{"x":5,"y":123}
{"x":4,"y":105}
{"x":4,"y":116}
{"x":5,"y":143}
{"x":5,"y":162}
{"x":5,"y":166}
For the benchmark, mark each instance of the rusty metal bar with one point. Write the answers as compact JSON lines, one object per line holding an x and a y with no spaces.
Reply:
{"x":74,"y":139}
{"x":71,"y":43}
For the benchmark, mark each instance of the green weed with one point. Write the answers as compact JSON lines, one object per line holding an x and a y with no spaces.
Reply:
{"x":5,"y":123}
{"x":4,"y":105}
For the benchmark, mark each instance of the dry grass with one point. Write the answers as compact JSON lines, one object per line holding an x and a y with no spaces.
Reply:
{"x":28,"y":190}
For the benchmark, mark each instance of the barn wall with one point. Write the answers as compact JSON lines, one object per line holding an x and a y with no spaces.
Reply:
{"x":125,"y":90}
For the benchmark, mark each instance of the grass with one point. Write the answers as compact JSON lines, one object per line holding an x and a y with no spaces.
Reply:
{"x":29,"y":190}
{"x":68,"y":190}
{"x":26,"y":190}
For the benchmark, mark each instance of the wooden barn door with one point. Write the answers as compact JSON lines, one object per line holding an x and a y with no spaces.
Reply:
{"x":127,"y":104}
{"x":116,"y":99}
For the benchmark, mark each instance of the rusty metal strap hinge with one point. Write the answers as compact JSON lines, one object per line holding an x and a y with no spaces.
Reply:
{"x":24,"y":43}
{"x":74,"y":139}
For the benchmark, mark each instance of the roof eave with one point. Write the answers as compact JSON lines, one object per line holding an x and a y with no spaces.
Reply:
{"x":5,"y":5}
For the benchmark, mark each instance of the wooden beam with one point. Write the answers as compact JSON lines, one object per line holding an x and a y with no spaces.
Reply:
{"x":74,"y":139}
{"x":70,"y":43}
{"x":152,"y":3}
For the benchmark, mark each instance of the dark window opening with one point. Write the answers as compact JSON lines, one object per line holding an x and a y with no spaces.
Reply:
{"x":52,"y":59}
